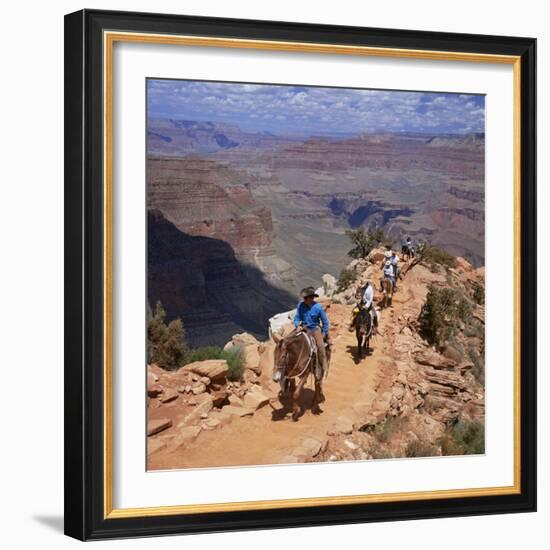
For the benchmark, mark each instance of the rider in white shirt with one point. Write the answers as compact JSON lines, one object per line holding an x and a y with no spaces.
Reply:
{"x":394,"y":262}
{"x":368,"y":295}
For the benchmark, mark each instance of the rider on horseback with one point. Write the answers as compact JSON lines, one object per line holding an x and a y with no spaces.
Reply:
{"x":367,"y":299}
{"x":388,"y":270}
{"x":396,"y":269}
{"x":311,"y":315}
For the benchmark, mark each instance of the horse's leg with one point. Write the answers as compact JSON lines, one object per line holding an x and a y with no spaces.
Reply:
{"x":359,"y":337}
{"x":296,"y":408}
{"x":317,"y":398}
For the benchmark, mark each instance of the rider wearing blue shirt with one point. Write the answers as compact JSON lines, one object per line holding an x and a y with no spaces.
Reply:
{"x":312,"y":316}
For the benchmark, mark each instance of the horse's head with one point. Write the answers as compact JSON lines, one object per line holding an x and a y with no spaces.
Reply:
{"x":287,"y":351}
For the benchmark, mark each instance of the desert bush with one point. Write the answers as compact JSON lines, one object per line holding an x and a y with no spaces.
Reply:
{"x":235,"y":358}
{"x":364,"y":241}
{"x":384,"y":431}
{"x":479,"y":294}
{"x":449,"y":447}
{"x":346,"y":279}
{"x":475,"y":329}
{"x":442,"y":313}
{"x":438,"y":315}
{"x":418,"y":448}
{"x":435,"y":257}
{"x":165,"y":342}
{"x":478,"y":369}
{"x":378,"y":452}
{"x":470,"y":435}
{"x":466,"y":438}
{"x":236,"y":361}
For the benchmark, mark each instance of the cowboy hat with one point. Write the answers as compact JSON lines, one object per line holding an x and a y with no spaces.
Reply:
{"x":309,"y":291}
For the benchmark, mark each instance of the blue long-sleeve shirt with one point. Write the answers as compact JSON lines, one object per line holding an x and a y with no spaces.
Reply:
{"x":311,"y":317}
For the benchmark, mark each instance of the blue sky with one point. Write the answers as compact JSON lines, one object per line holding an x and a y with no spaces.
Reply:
{"x":306,"y":110}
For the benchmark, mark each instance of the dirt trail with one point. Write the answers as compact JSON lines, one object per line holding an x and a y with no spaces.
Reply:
{"x":270,"y":437}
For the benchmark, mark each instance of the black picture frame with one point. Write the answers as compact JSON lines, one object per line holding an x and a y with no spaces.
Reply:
{"x":84,"y":282}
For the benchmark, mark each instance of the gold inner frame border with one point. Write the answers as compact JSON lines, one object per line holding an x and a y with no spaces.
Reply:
{"x":109,"y":39}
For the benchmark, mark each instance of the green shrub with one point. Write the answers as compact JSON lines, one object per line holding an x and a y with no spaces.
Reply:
{"x":384,"y":431}
{"x":346,"y":279}
{"x":474,"y":329}
{"x":478,"y":369}
{"x":235,"y":358}
{"x":479,"y":294}
{"x":449,"y":447}
{"x":378,"y":452}
{"x":165,"y":342}
{"x":364,"y":241}
{"x":470,"y":436}
{"x":441,"y":313}
{"x":435,"y":257}
{"x":466,"y":438}
{"x":463,"y":308}
{"x":418,"y":448}
{"x":438,"y":315}
{"x":204,"y":353}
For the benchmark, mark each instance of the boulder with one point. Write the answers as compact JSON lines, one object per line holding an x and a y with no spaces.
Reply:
{"x":278,"y":322}
{"x":169,"y":395}
{"x":255,"y":399}
{"x":235,"y":400}
{"x":158,"y":425}
{"x":250,"y":347}
{"x":215,"y":369}
{"x":312,"y":447}
{"x":198,"y":389}
{"x":434,"y":359}
{"x":211,"y":423}
{"x":376,"y":255}
{"x":344,"y":425}
{"x":329,"y":284}
{"x":204,"y":404}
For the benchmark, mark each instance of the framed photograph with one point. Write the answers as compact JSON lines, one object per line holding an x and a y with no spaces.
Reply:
{"x":300,"y":274}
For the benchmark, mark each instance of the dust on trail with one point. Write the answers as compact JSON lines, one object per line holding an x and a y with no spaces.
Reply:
{"x":269,"y":437}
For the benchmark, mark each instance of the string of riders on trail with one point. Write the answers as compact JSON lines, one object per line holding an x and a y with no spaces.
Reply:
{"x":391,"y":271}
{"x":312,"y":319}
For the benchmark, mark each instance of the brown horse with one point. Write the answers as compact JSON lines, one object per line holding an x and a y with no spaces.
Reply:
{"x":387,"y":292}
{"x":294,"y":362}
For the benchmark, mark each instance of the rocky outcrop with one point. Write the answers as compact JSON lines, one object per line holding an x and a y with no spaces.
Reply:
{"x":198,"y":397}
{"x":204,"y":198}
{"x":215,"y":370}
{"x":424,"y":392}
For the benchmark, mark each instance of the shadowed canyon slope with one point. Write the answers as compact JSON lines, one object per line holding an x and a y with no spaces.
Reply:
{"x":201,"y":280}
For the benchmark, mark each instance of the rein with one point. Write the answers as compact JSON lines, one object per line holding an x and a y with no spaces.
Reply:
{"x":301,"y":373}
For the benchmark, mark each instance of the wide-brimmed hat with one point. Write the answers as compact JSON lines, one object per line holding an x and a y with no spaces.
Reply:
{"x":309,"y":291}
